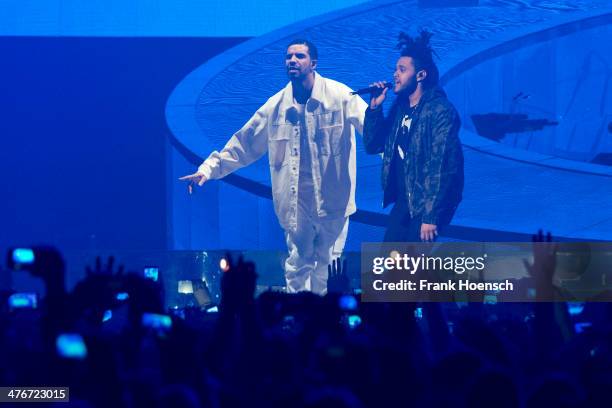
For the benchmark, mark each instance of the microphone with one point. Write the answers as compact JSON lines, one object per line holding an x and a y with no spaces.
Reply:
{"x":371,"y":89}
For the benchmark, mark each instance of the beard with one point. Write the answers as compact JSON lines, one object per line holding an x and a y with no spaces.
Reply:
{"x":294,"y":75}
{"x":410,"y":87}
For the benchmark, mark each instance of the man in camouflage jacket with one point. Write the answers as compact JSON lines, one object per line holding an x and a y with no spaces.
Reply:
{"x":422,"y":168}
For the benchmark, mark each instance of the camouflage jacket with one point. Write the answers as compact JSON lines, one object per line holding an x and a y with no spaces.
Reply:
{"x":434,"y":164}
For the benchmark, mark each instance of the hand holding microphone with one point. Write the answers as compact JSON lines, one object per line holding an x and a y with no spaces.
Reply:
{"x":378,"y":91}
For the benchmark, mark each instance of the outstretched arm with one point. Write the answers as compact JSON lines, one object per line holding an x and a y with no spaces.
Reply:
{"x":244,"y":147}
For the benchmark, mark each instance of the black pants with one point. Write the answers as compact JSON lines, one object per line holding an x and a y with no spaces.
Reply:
{"x":402,"y":227}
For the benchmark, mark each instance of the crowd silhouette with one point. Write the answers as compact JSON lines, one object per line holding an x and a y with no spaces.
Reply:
{"x":113,"y":343}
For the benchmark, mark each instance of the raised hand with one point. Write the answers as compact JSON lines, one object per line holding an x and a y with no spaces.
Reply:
{"x":544,"y":263}
{"x":196,"y":178}
{"x":337,"y":279}
{"x":108,"y":270}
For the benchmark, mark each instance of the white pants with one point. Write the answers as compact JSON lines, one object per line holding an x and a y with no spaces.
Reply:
{"x":312,"y":246}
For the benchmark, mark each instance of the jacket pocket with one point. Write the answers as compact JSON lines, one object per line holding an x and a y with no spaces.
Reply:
{"x":329,"y":140}
{"x":279,"y":145}
{"x":329,"y":132}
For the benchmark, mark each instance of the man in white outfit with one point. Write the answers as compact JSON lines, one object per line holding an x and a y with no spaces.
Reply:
{"x":308,"y":129}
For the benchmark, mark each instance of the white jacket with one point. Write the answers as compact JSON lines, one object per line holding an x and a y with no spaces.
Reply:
{"x":332,"y":115}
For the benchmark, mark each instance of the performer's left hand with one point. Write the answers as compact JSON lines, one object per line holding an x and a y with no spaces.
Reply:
{"x":429,"y":232}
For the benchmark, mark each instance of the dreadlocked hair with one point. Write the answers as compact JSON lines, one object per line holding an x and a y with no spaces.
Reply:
{"x":419,"y":49}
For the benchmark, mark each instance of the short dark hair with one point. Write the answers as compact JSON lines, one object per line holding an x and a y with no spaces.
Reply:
{"x":419,"y":49}
{"x":312,"y":49}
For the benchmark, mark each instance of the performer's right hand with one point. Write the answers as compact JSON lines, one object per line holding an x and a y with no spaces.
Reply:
{"x":378,"y":97}
{"x":196,"y":178}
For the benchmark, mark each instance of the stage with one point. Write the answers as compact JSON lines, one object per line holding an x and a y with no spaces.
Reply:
{"x":538,"y":179}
